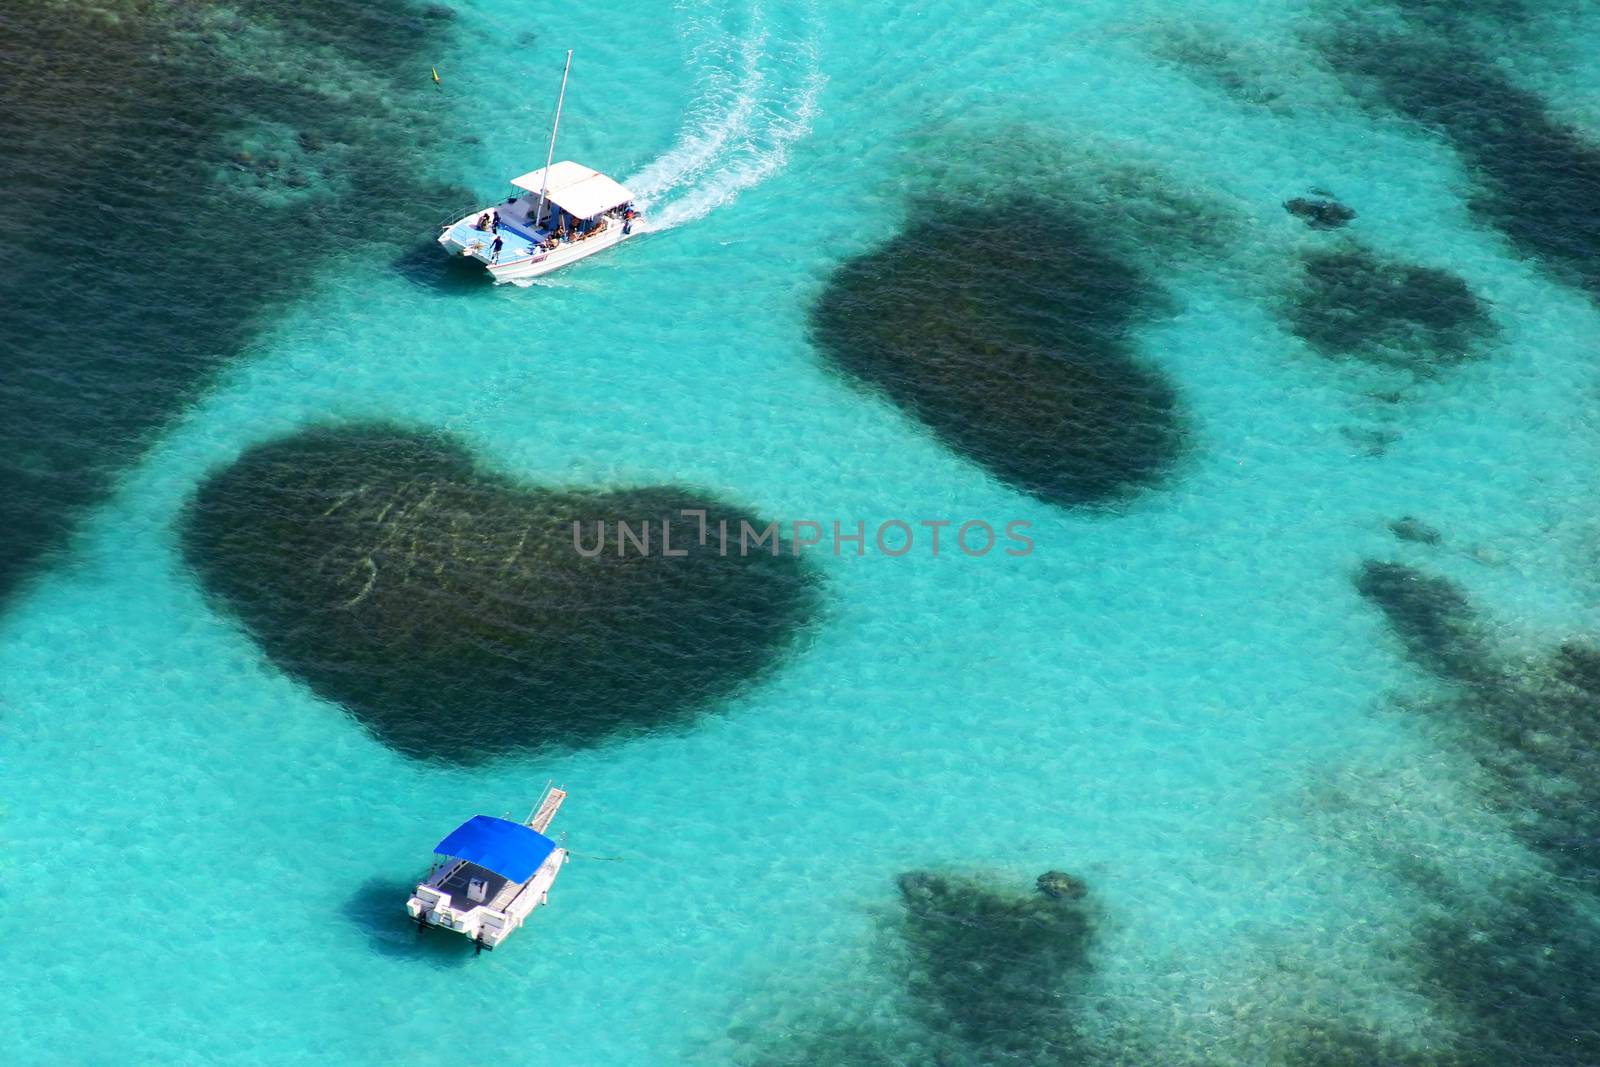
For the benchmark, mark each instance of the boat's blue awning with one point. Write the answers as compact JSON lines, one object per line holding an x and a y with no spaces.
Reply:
{"x":507,"y":848}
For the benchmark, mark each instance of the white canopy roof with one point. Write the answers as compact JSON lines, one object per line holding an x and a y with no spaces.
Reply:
{"x":576,"y":189}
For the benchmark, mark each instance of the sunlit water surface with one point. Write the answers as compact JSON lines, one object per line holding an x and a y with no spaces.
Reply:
{"x":1181,"y":699}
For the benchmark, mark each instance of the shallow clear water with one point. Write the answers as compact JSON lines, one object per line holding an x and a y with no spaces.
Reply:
{"x":1182,"y":698}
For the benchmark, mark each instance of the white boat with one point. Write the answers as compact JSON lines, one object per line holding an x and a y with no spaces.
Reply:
{"x":561,"y":213}
{"x":491,"y":874}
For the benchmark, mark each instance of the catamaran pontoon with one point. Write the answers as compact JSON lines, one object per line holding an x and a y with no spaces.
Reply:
{"x":492,"y":873}
{"x":563,"y":212}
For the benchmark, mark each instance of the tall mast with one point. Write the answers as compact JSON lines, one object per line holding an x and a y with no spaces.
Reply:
{"x":544,"y":182}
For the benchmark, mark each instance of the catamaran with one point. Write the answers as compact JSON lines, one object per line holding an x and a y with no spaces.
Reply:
{"x":491,"y":874}
{"x":560,"y":213}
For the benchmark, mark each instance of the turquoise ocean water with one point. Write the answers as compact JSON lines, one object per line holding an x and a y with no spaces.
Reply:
{"x":1182,"y":698}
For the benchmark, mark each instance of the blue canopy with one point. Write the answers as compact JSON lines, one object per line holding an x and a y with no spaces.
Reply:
{"x":507,"y":848}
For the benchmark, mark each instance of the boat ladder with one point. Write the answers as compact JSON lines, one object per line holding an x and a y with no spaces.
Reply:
{"x":547,"y":808}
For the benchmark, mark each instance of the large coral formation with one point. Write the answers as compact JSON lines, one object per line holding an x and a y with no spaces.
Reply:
{"x":451,"y":609}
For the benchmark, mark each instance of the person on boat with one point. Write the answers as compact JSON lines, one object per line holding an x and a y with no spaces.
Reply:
{"x":494,"y":249}
{"x":494,"y":221}
{"x":482,"y":223}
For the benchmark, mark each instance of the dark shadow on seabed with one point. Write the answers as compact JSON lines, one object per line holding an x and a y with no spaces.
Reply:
{"x":174,"y":174}
{"x":378,"y":908}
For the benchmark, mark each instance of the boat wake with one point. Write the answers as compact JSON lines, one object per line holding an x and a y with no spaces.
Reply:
{"x":757,"y":95}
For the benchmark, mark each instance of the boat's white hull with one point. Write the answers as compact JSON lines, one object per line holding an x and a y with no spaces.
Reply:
{"x":486,"y":925}
{"x":516,"y":263}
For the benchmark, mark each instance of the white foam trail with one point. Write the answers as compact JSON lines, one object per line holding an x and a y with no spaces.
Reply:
{"x":755,"y":162}
{"x":756,"y":102}
{"x":721,"y":111}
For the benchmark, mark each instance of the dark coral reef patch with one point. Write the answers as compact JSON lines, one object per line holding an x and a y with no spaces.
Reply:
{"x":1520,"y":979}
{"x":1430,"y":615}
{"x":986,"y":972}
{"x":1537,"y":179}
{"x":1320,"y":212}
{"x":450,"y":609}
{"x":1352,"y":302}
{"x":1410,"y":528}
{"x":175,"y":173}
{"x":1513,"y":968}
{"x":1000,"y":968}
{"x":1006,"y":332}
{"x":1532,"y":723}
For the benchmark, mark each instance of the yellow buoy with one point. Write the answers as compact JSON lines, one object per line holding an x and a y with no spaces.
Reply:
{"x":435,"y":75}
